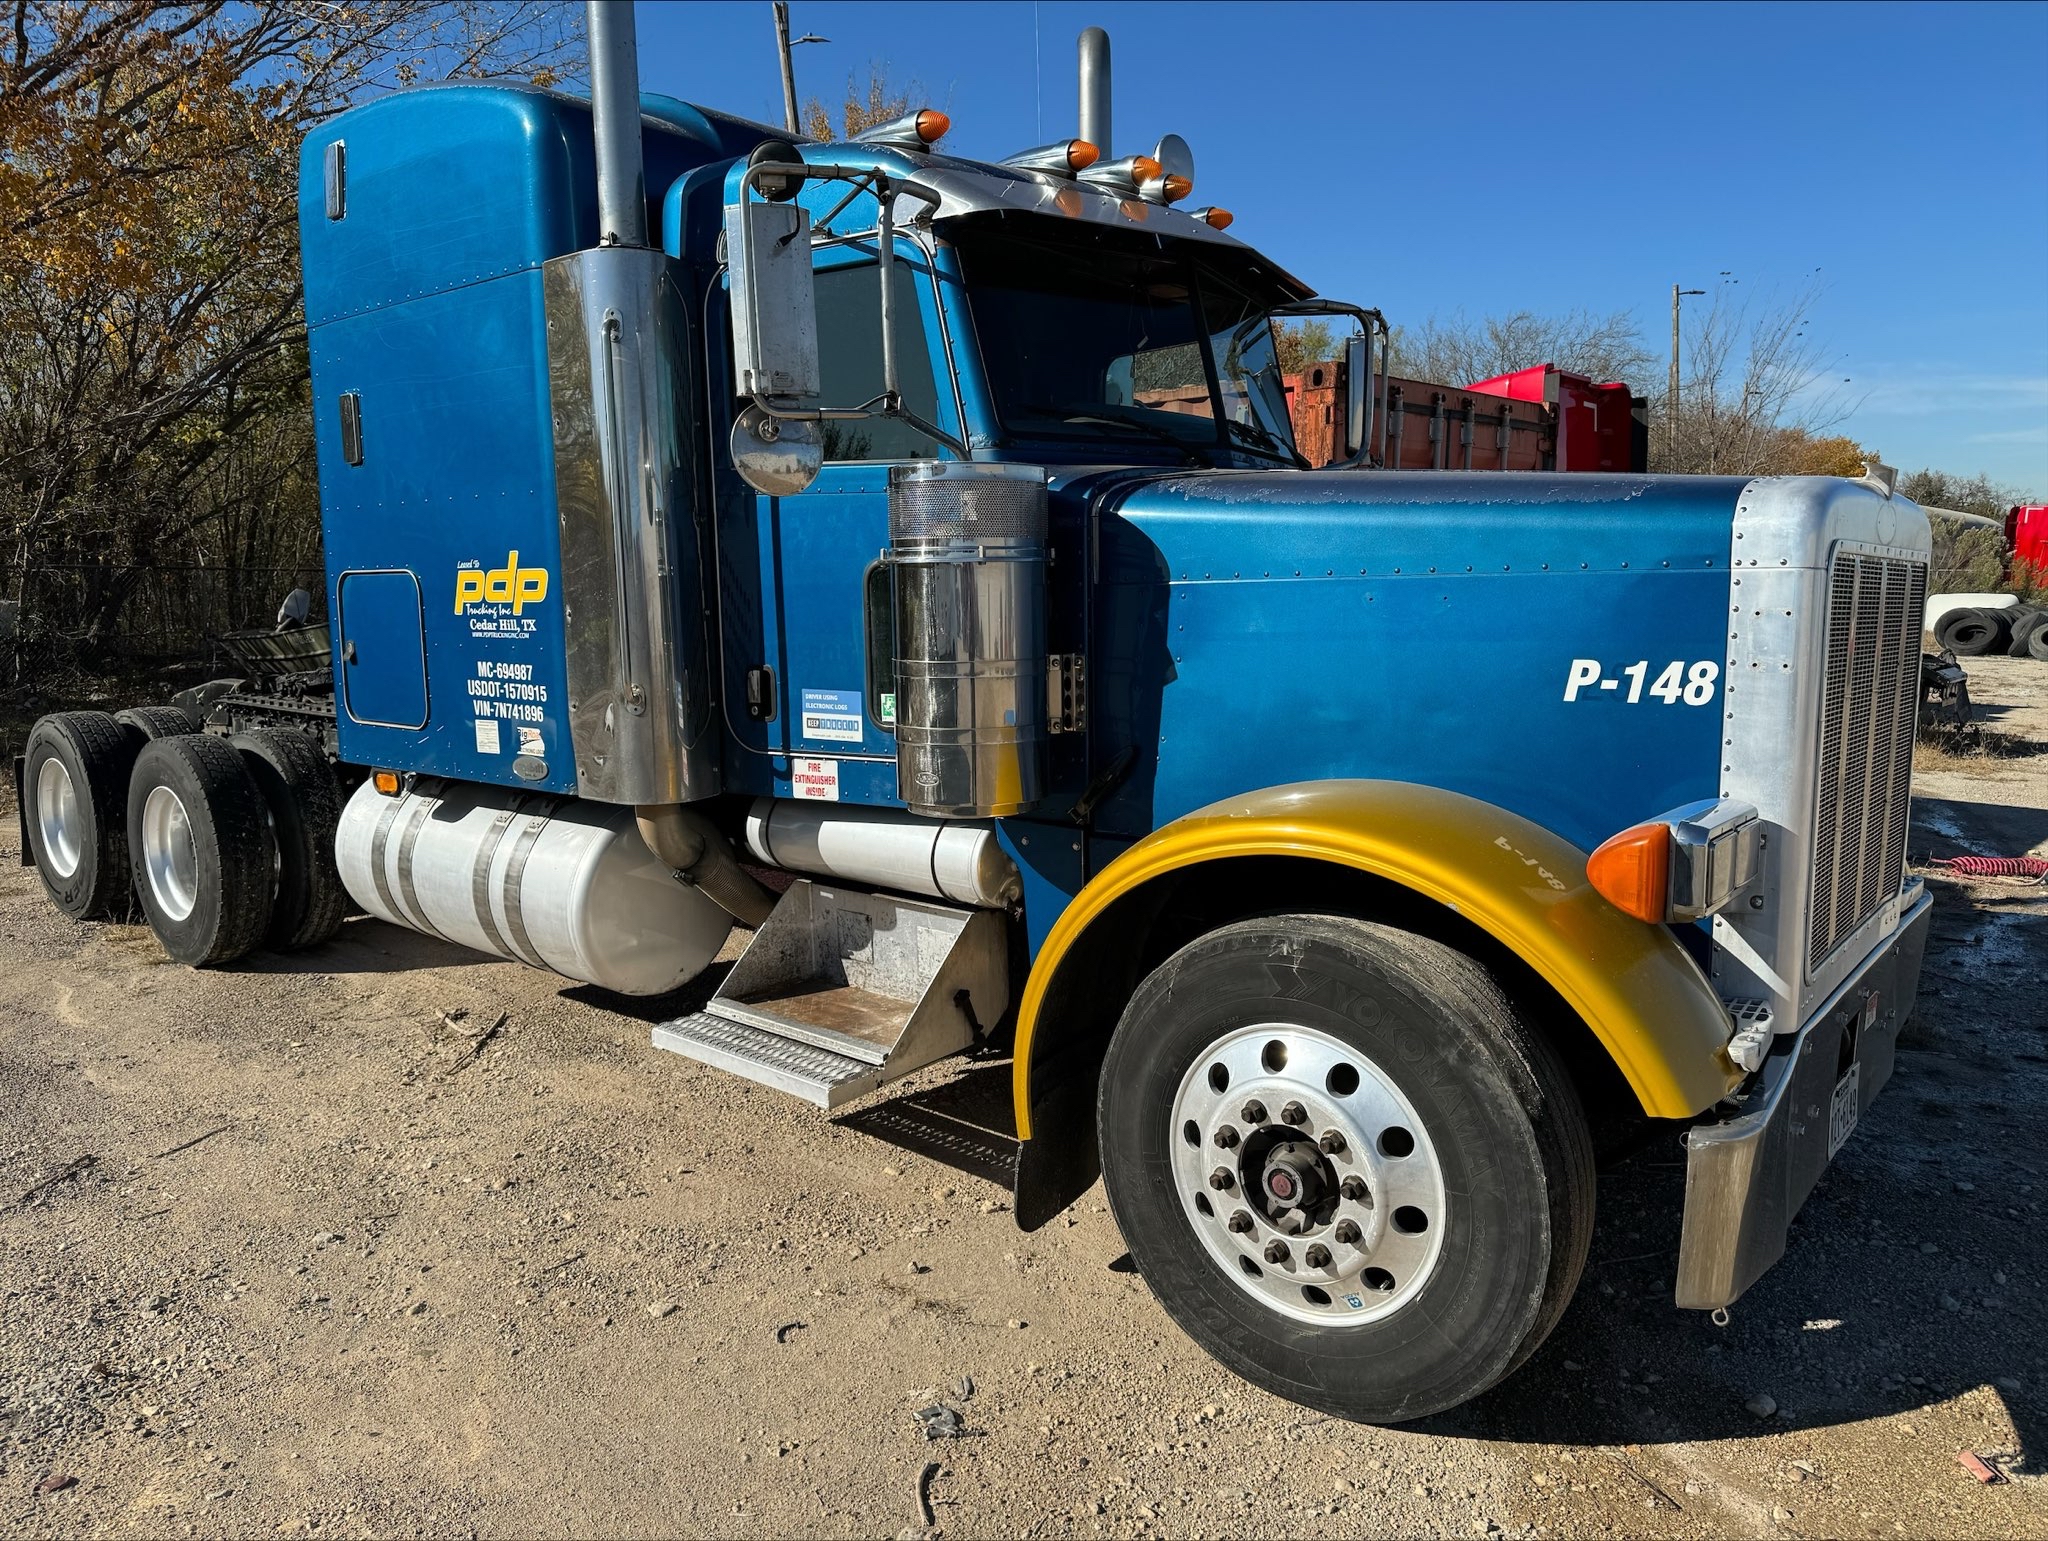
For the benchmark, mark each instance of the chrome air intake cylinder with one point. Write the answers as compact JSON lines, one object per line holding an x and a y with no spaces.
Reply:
{"x":968,"y":550}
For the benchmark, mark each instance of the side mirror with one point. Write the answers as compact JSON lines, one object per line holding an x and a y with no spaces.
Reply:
{"x":774,"y":303}
{"x":1358,"y":394}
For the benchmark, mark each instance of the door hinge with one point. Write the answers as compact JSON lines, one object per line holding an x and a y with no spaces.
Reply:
{"x":1066,"y":692}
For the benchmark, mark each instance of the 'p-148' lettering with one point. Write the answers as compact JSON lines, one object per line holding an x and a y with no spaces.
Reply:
{"x":1676,"y":682}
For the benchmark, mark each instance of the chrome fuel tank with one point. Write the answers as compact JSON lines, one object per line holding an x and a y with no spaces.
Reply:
{"x":559,"y":883}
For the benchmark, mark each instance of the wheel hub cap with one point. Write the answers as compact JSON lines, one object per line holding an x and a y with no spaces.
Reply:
{"x":57,"y":819}
{"x":169,"y":859}
{"x":1333,"y":1164}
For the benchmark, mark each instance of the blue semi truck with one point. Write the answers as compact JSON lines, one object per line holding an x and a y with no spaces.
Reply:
{"x":906,"y":558}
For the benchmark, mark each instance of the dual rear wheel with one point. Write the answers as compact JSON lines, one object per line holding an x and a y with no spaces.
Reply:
{"x":224,"y":844}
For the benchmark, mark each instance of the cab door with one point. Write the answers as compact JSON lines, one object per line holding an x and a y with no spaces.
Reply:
{"x":818,"y":649}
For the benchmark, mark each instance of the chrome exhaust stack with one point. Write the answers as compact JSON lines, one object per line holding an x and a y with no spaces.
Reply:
{"x":615,"y":123}
{"x":637,"y":652}
{"x":1095,"y":88}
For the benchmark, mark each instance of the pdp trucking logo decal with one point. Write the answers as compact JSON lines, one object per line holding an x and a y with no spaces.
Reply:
{"x":494,"y":602}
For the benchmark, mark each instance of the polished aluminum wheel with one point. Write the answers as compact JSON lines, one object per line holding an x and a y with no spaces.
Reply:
{"x":57,"y":819}
{"x":1307,"y":1175}
{"x":169,"y":860}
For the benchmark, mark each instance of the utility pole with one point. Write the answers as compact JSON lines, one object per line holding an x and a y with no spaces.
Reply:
{"x":783,"y":46}
{"x":789,"y":70}
{"x":1671,"y":399}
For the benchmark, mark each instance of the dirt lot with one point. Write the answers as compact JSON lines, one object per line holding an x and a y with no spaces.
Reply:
{"x":324,"y":1266}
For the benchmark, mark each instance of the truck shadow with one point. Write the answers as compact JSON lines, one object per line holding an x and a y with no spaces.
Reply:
{"x":1911,"y":1277}
{"x":966,"y":1123}
{"x":1853,"y":1325}
{"x":367,"y":945}
{"x":1944,"y":826}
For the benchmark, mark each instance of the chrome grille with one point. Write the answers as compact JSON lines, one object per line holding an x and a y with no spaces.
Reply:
{"x":1870,"y":692}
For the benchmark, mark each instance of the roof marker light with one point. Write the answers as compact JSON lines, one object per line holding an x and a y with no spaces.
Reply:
{"x":1126,"y":175}
{"x":1062,"y":158}
{"x":918,"y":130}
{"x":1214,"y":218}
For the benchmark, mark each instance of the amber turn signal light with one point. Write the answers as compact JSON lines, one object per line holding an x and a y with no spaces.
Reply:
{"x":1215,"y":219}
{"x":1632,"y":871}
{"x":1081,"y":155}
{"x":1177,"y":188}
{"x":932,"y":125}
{"x":385,"y":782}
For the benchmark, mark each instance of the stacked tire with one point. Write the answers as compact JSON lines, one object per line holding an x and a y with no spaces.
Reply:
{"x":2020,"y":632}
{"x":1973,"y":633}
{"x":225,"y":845}
{"x":2029,"y":633}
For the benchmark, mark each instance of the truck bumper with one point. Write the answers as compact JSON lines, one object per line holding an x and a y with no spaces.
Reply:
{"x":1746,"y":1176}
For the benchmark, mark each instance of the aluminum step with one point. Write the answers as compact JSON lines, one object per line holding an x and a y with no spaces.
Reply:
{"x":802,"y":1069}
{"x":844,"y":988}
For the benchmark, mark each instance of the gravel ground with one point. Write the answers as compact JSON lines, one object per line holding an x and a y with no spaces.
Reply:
{"x":329,"y":1263}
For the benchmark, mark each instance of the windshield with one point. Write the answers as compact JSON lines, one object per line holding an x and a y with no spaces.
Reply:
{"x":1096,"y":334}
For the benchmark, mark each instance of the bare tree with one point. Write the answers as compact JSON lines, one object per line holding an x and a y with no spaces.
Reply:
{"x":150,"y":312}
{"x":1459,"y":351}
{"x":1753,"y":395}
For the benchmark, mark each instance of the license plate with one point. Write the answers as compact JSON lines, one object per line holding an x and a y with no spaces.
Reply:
{"x":1847,"y":1104}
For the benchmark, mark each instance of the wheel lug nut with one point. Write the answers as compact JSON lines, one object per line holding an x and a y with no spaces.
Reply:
{"x":1353,"y":1188}
{"x":1226,"y":1137}
{"x":1347,"y":1232}
{"x":1221,"y":1178}
{"x":1317,"y":1256}
{"x":1294,"y":1113}
{"x":1240,"y":1222}
{"x":1255,"y":1112}
{"x":1276,"y":1251}
{"x":1331,"y":1142}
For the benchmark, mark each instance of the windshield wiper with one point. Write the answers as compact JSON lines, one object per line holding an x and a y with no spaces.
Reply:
{"x":1259,"y":438}
{"x":1107,"y":415}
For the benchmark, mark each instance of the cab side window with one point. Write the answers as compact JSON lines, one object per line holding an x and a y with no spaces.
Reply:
{"x":850,"y":362}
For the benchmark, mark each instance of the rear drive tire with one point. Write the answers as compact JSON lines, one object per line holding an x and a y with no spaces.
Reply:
{"x":149,"y":723}
{"x":1345,"y":1165}
{"x":304,"y":801}
{"x":75,"y":794}
{"x":204,"y":856}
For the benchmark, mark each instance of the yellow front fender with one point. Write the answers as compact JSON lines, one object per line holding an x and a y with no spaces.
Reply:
{"x":1632,"y":983}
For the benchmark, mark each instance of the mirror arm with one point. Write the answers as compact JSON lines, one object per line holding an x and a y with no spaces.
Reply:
{"x":890,"y":402}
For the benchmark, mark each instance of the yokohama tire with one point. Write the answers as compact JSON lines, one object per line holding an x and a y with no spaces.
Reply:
{"x":305,"y":810}
{"x":199,"y":837}
{"x":75,"y":788}
{"x":1387,"y":1030}
{"x":149,"y":723}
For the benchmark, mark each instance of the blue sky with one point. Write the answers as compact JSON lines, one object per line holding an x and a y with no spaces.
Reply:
{"x":1430,"y":159}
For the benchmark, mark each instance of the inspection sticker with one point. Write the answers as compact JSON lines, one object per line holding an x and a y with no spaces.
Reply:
{"x":487,"y":735}
{"x":814,"y":780}
{"x":834,"y":714}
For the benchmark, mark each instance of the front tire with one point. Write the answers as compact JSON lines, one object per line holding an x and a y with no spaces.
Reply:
{"x":1345,"y":1165}
{"x":200,"y":839}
